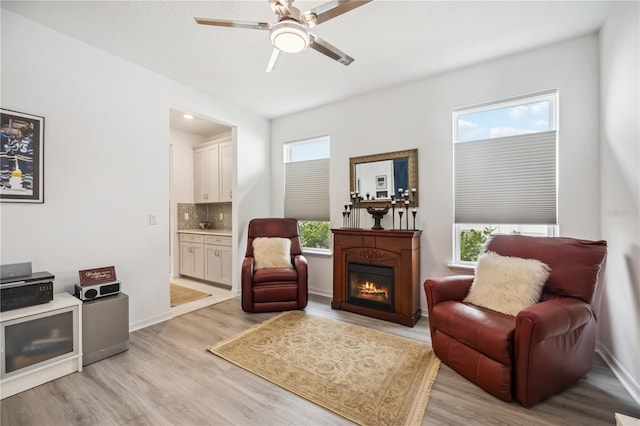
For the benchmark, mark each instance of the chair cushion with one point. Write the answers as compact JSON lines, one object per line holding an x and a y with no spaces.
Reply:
{"x":507,"y":284}
{"x":272,"y":252}
{"x":273,"y":275}
{"x":484,"y":330}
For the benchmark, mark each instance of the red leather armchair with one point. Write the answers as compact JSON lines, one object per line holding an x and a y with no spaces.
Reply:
{"x":545,"y":348}
{"x":274,"y":289}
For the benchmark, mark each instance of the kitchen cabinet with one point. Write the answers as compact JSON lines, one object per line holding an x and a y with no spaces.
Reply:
{"x":226,"y":166}
{"x":207,"y":257}
{"x":192,"y":255}
{"x":218,"y":259}
{"x":212,"y":164}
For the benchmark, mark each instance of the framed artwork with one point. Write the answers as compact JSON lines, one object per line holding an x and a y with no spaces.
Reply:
{"x":381,"y":182}
{"x":21,"y":157}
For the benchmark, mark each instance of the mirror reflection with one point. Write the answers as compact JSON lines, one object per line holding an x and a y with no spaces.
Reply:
{"x":379,"y":177}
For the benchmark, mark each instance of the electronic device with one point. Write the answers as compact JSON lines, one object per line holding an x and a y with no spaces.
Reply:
{"x":14,"y":270}
{"x":22,"y":291}
{"x":90,"y":292}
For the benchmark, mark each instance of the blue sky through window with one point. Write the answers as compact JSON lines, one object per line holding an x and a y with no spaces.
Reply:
{"x":309,"y":150}
{"x":500,"y":122}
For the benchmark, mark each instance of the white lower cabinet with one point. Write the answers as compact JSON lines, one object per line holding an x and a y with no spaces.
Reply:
{"x":207,"y":257}
{"x":217,"y":265}
{"x":192,"y":255}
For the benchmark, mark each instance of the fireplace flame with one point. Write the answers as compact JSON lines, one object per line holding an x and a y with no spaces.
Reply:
{"x":369,"y":288}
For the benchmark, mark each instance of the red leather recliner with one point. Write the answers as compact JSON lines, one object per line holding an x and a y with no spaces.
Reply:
{"x":272,"y":290}
{"x":545,"y":348}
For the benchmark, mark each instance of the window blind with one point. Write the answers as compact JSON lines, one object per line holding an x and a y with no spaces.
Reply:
{"x":306,"y":195}
{"x":509,"y":180}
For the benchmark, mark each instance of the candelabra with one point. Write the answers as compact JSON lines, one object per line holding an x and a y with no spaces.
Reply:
{"x":393,"y":211}
{"x":351,"y":215}
{"x":414,"y":212}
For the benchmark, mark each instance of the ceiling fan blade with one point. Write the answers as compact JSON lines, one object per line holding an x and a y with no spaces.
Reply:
{"x":284,"y":9}
{"x":330,"y":10}
{"x":276,"y":57}
{"x":236,"y":24}
{"x":324,"y":47}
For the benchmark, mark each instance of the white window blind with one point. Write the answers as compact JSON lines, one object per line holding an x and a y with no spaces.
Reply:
{"x":306,"y":195}
{"x":507,"y":180}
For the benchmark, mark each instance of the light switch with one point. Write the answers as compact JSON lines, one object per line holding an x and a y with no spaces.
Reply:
{"x":153,"y":218}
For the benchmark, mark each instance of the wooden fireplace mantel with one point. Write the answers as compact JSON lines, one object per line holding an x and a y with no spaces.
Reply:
{"x":397,"y":249}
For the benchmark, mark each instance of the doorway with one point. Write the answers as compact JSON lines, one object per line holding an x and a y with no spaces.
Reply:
{"x":186,"y":132}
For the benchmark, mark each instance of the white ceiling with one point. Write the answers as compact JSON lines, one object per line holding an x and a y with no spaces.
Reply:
{"x":196,"y":125}
{"x":392,"y":42}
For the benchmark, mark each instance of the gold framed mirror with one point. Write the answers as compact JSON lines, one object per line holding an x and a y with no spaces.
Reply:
{"x":377,"y":177}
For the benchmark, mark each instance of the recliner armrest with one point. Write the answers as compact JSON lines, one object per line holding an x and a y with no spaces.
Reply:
{"x":453,"y":287}
{"x":246,"y":278}
{"x":299,"y":261}
{"x":552,"y":318}
{"x":554,"y":345}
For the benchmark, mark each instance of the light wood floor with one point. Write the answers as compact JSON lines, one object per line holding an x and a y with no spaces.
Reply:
{"x":167,"y":378}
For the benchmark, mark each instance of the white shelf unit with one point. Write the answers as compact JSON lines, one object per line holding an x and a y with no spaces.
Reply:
{"x":40,"y":343}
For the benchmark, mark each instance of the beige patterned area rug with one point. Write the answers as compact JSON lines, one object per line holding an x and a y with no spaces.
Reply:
{"x":369,"y":377}
{"x":181,"y":295}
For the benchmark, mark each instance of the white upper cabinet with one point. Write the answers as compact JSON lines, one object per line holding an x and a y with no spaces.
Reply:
{"x":226,"y":168}
{"x":213,"y":164}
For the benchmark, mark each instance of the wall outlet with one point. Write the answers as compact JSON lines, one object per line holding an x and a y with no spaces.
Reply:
{"x":221,"y":216}
{"x":186,"y":216}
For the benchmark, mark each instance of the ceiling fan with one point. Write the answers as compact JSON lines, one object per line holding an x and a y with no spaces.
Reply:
{"x":291,"y":33}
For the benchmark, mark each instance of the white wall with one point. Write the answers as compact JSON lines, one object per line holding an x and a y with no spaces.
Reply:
{"x":418,"y":115}
{"x":620,"y":187}
{"x":106,"y":164}
{"x":181,"y":184}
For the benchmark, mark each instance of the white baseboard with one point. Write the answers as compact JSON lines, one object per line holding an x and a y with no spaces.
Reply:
{"x":320,"y":292}
{"x":619,"y":371}
{"x":149,"y":321}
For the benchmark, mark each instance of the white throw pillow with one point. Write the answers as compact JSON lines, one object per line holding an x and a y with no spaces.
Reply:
{"x":507,"y":284}
{"x":272,"y":253}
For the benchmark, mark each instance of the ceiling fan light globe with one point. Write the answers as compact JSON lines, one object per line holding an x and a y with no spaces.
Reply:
{"x":289,"y":37}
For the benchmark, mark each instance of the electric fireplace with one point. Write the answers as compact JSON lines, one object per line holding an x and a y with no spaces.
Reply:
{"x":372,"y":286}
{"x":377,"y":273}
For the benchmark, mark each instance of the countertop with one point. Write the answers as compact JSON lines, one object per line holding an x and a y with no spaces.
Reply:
{"x":221,"y":232}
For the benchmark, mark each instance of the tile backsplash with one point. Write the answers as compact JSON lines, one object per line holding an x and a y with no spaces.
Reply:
{"x":209,"y":212}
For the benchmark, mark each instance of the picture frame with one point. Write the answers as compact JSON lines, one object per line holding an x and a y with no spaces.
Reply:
{"x":381,"y":182}
{"x":21,"y":157}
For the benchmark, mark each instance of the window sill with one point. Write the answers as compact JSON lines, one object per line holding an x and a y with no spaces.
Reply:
{"x":317,"y":252}
{"x":460,"y":267}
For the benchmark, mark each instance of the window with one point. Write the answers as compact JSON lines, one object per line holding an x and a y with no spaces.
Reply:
{"x":306,"y":195}
{"x":505,"y":171}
